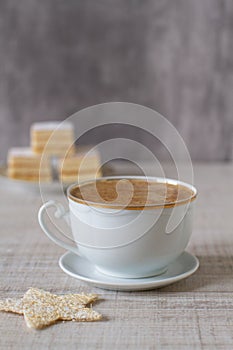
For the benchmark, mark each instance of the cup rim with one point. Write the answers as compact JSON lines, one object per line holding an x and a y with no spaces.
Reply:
{"x":132,"y":207}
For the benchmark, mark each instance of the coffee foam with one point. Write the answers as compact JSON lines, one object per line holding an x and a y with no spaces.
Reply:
{"x":131,"y":193}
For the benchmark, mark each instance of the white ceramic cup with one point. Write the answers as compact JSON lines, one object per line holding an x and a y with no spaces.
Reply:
{"x":126,"y":243}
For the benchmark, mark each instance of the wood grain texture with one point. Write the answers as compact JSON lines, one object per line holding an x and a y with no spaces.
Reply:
{"x":196,"y":313}
{"x":57,"y":57}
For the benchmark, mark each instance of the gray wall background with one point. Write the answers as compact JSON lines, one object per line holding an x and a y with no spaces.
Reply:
{"x":58,"y":56}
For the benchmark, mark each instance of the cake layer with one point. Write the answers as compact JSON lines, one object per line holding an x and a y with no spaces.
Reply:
{"x":33,"y":178}
{"x":20,"y":152}
{"x":38,"y":140}
{"x":54,"y":150}
{"x":68,"y":178}
{"x":52,"y":125}
{"x":13,"y":171}
{"x":23,"y":153}
{"x":30,"y":163}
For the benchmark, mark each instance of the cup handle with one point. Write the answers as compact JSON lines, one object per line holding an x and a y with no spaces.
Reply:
{"x":59,"y":213}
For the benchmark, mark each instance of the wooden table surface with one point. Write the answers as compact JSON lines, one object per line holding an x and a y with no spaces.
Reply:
{"x":195,"y":313}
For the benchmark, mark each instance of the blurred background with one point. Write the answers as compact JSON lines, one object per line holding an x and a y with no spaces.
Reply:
{"x":57,"y":57}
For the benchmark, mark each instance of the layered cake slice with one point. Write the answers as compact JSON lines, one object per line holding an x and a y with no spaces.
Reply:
{"x":83,"y":165}
{"x":54,"y":138}
{"x":23,"y":164}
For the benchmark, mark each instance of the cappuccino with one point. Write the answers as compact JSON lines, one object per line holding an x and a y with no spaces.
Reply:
{"x":131,"y":193}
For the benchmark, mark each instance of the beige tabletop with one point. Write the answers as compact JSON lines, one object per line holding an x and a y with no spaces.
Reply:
{"x":195,"y":313}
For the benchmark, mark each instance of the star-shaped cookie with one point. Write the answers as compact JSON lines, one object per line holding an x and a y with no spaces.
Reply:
{"x":41,"y":308}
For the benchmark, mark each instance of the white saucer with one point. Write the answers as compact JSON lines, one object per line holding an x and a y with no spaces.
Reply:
{"x":80,"y":268}
{"x":54,"y":186}
{"x":33,"y":186}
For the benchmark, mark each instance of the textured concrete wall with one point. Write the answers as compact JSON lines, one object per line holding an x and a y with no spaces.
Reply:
{"x":175,"y":56}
